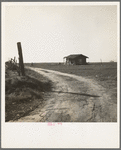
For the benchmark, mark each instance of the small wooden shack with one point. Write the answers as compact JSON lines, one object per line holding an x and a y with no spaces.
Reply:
{"x":75,"y":59}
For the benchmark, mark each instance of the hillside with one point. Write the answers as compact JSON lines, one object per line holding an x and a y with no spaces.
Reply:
{"x":23,"y":93}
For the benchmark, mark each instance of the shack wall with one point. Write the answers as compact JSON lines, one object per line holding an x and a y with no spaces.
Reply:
{"x":76,"y":61}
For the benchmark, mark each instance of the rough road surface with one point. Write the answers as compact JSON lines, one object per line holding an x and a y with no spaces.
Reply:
{"x":73,"y":99}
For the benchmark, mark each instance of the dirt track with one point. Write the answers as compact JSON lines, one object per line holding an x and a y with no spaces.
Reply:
{"x":73,"y":99}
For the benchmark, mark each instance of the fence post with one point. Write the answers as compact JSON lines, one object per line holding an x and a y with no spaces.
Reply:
{"x":21,"y":64}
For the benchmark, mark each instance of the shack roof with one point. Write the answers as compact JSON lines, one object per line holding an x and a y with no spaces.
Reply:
{"x":75,"y":56}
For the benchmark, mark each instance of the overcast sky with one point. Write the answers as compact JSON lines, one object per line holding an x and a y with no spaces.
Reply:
{"x":48,"y":33}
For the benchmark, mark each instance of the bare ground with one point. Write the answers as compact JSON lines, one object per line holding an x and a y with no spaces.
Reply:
{"x":73,"y":99}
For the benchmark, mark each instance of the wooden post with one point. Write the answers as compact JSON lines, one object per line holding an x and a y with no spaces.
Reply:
{"x":21,"y":65}
{"x":14,"y":59}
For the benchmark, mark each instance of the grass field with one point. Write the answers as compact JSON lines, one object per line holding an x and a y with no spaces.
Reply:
{"x":94,"y":70}
{"x":105,"y":74}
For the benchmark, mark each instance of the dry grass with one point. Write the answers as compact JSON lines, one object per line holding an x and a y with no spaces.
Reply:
{"x":24,"y":94}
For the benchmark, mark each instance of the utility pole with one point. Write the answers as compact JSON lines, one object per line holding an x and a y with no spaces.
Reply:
{"x":21,"y":64}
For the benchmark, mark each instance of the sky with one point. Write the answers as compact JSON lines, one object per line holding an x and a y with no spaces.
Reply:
{"x":50,"y":32}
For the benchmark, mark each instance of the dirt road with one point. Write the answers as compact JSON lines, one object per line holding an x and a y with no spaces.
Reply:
{"x":73,"y":99}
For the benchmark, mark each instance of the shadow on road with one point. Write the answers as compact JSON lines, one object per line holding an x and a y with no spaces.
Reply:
{"x":76,"y":93}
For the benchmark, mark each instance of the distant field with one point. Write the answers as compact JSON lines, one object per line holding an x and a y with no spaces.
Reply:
{"x":105,"y":74}
{"x":93,"y":69}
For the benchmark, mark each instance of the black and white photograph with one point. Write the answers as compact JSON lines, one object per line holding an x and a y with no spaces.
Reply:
{"x":61,"y":63}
